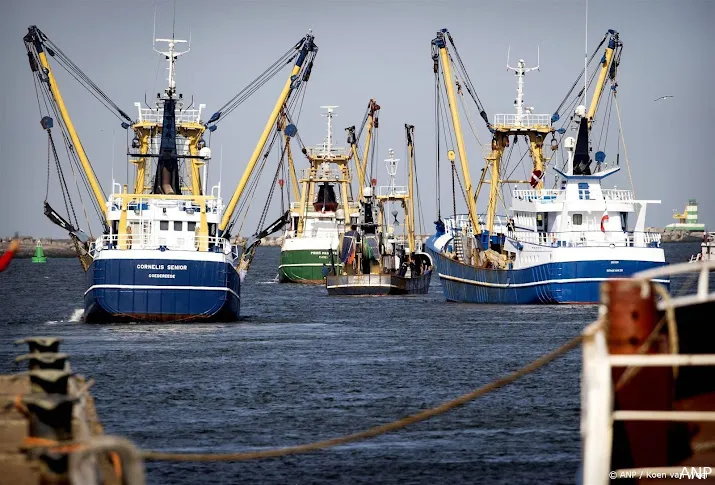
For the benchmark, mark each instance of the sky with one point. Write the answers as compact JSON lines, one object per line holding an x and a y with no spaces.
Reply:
{"x":367,"y":49}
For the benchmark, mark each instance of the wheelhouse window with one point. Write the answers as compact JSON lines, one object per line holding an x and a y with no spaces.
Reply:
{"x":164,"y":225}
{"x":577,"y":219}
{"x":178,"y":225}
{"x":190,"y":226}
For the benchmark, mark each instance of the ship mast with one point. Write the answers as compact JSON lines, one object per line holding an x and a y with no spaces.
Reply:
{"x":440,"y":43}
{"x":391,"y":164}
{"x":606,"y":66}
{"x":410,"y":131}
{"x":370,"y":122}
{"x":524,"y":123}
{"x":328,"y":142}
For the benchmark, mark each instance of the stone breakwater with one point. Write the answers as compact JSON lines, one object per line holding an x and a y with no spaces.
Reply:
{"x":678,"y":236}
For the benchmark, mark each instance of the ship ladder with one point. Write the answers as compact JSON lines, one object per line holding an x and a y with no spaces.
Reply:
{"x":556,"y":272}
{"x":458,"y":247}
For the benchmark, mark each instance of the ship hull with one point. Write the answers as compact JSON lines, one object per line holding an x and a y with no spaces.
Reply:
{"x":550,"y":283}
{"x":305,"y":265}
{"x":161,"y":289}
{"x":375,"y":285}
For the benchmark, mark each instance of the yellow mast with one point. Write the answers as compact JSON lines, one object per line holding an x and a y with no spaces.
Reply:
{"x":410,"y":130}
{"x":356,"y":157}
{"x":291,"y":168}
{"x":605,"y":65}
{"x":371,"y":123}
{"x":361,"y":164}
{"x":291,"y":83}
{"x":86,"y":165}
{"x":449,"y":83}
{"x":494,"y":164}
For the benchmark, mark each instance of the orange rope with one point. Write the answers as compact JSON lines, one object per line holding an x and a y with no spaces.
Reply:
{"x":56,"y":446}
{"x":19,"y":405}
{"x":116,"y":464}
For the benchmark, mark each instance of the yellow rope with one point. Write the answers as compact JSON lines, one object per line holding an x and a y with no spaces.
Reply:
{"x":625,"y":150}
{"x":375,"y":431}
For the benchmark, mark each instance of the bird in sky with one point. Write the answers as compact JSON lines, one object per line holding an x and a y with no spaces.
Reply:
{"x":663,"y":97}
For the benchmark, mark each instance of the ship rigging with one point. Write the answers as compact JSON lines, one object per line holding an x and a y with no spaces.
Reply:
{"x":548,"y":247}
{"x":168,"y":223}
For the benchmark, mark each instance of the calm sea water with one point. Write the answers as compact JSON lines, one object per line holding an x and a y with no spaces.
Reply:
{"x":301,"y":366}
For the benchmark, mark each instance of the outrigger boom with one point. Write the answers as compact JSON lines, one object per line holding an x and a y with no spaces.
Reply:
{"x":307,"y":47}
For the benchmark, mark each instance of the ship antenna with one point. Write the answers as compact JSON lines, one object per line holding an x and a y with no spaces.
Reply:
{"x":521,"y":71}
{"x":585,"y":60}
{"x":171,"y":55}
{"x":391,"y":164}
{"x":328,"y":145}
{"x":220,"y":171}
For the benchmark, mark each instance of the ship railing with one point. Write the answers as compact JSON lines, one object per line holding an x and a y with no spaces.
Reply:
{"x":321,"y":151}
{"x":597,"y":395}
{"x":458,"y":225}
{"x":325,"y":174}
{"x":543,"y":195}
{"x":157,"y":115}
{"x":527,"y":121}
{"x":461,"y":224}
{"x":139,"y":204}
{"x":386,"y":190}
{"x":638,"y":239}
{"x":617,"y":194}
{"x":189,"y":242}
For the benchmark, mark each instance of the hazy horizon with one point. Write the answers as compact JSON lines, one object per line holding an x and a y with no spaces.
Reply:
{"x":369,"y":49}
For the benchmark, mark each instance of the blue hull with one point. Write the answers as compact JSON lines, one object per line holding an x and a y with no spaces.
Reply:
{"x":567,"y":282}
{"x":161,"y":290}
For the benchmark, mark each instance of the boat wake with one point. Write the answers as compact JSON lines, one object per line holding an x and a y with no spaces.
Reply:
{"x":75,"y":317}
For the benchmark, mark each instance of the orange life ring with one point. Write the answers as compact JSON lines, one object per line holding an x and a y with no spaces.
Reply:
{"x":604,"y":219}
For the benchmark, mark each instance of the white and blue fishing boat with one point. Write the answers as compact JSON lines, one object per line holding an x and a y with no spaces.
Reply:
{"x":555,"y":245}
{"x":165,"y":252}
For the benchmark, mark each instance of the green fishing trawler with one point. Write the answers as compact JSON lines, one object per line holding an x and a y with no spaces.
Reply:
{"x":326,"y":206}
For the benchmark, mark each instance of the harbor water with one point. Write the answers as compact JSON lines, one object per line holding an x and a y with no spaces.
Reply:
{"x":301,"y":366}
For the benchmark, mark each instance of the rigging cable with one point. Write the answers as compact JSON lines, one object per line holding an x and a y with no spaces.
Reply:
{"x":454,"y":168}
{"x":625,"y":151}
{"x":468,"y":83}
{"x":437,"y":143}
{"x":576,"y":82}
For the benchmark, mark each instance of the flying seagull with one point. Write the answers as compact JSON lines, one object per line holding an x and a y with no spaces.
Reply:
{"x":663,"y":97}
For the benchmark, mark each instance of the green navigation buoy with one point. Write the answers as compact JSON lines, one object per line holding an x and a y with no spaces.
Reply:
{"x":39,"y":256}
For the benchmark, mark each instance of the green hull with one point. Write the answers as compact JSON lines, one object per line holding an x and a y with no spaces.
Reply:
{"x":304,"y":265}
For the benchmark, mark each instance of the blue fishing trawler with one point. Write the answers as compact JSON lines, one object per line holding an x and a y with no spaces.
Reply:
{"x":555,"y":245}
{"x":165,"y":252}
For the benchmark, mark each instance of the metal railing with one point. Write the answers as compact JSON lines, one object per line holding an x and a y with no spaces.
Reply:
{"x":321,"y":151}
{"x":597,"y":394}
{"x":326,"y":174}
{"x":527,"y":120}
{"x":544,"y":195}
{"x":154,"y":241}
{"x":156,"y":115}
{"x":385,"y":190}
{"x":588,"y":238}
{"x":617,"y":194}
{"x":145,"y":203}
{"x":460,"y":224}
